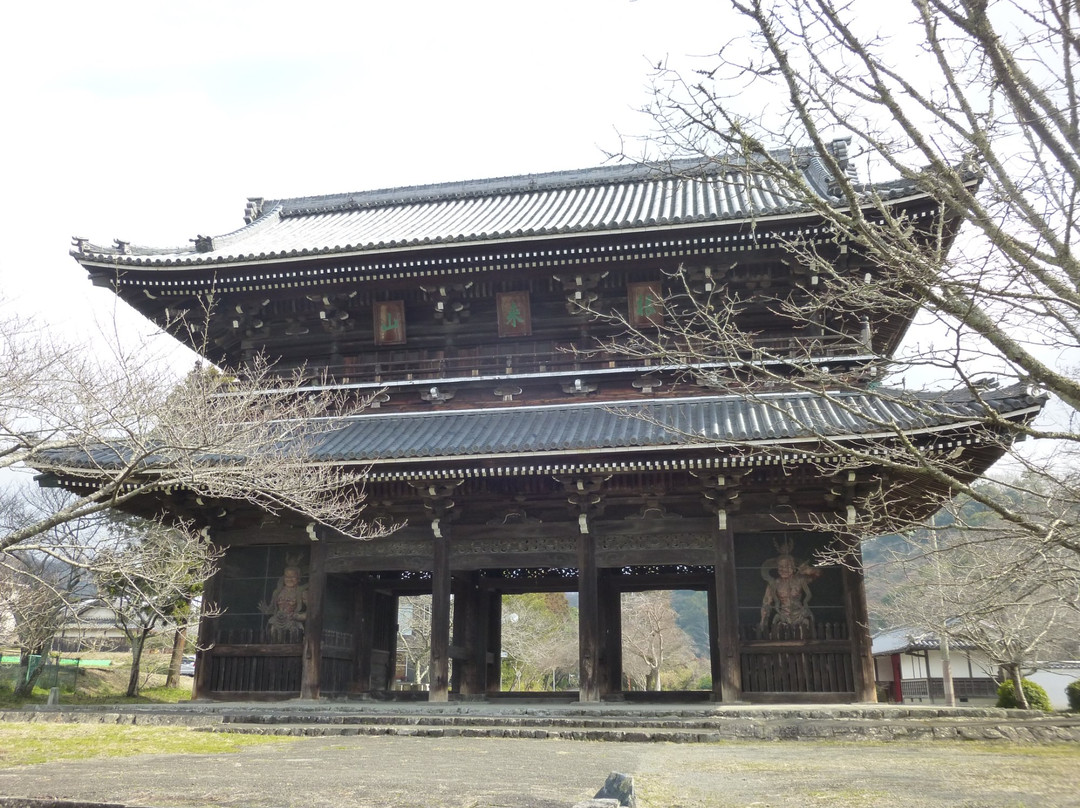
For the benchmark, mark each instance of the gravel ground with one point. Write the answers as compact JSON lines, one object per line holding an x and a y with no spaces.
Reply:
{"x":403,"y":772}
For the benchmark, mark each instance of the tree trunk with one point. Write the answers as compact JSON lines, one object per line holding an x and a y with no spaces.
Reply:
{"x":652,"y":679}
{"x":25,"y":684}
{"x":946,"y":672}
{"x":1018,"y":687}
{"x":172,"y":679}
{"x":137,"y":644}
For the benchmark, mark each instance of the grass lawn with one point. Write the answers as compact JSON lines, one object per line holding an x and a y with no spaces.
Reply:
{"x":24,"y":743}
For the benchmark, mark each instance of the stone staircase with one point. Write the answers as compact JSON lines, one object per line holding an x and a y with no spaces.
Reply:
{"x":633,"y":724}
{"x":603,"y":722}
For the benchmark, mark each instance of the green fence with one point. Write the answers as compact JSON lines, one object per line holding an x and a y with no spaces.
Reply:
{"x":55,"y":672}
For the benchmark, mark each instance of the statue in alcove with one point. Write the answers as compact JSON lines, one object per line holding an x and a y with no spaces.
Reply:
{"x":287,"y":608}
{"x":787,"y":592}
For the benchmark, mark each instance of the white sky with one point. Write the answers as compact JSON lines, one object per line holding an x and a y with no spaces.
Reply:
{"x":153,"y":122}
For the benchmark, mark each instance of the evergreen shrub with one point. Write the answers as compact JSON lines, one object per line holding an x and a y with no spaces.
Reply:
{"x":1072,"y":693}
{"x":1035,"y":695}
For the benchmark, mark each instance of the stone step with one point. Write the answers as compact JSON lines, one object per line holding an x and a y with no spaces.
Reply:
{"x":478,"y":721}
{"x":629,"y":732}
{"x":620,"y":722}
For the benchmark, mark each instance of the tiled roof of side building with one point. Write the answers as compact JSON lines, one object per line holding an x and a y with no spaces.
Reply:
{"x":607,"y":198}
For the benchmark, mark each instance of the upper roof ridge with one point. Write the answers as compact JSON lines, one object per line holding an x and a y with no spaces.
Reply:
{"x":687,"y":167}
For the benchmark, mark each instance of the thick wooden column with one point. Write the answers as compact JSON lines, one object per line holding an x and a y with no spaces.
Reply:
{"x":492,"y":620}
{"x":438,"y":503}
{"x":589,"y":673}
{"x":204,"y":653}
{"x":724,"y":614}
{"x":611,"y":663}
{"x":459,"y":617}
{"x":364,"y":635}
{"x":439,"y":689}
{"x":311,"y":663}
{"x":389,"y":605}
{"x":585,"y":496}
{"x":469,"y":645}
{"x":862,"y":658}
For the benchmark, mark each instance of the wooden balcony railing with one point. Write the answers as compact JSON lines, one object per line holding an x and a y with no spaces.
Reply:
{"x":407,"y":364}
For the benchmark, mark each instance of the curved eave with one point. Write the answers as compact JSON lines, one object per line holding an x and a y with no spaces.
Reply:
{"x":113,"y":262}
{"x":195,"y":261}
{"x":727,"y":430}
{"x":779,"y":451}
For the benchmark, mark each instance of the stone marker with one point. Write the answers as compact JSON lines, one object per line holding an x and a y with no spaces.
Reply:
{"x":619,"y":787}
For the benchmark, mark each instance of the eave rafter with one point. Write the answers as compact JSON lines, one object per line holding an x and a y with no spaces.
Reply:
{"x":270,"y":274}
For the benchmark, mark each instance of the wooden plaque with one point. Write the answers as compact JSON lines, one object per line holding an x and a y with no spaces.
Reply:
{"x":390,"y":322}
{"x":646,"y":303}
{"x":515,"y":316}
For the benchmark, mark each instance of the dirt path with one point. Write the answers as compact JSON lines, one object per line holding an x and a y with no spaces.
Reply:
{"x":401,"y":772}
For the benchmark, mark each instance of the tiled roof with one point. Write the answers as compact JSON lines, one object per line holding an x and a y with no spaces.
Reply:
{"x":608,"y":198}
{"x":900,"y":641}
{"x":905,"y":640}
{"x":579,"y":427}
{"x":659,"y":424}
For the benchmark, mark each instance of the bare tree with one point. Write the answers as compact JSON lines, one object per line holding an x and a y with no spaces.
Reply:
{"x":539,"y":638}
{"x":972,"y":579}
{"x":971,"y":103}
{"x":149,"y":580}
{"x":652,"y":637}
{"x":115,"y":425}
{"x":40,"y":589}
{"x":974,"y":105}
{"x":37,"y":598}
{"x":414,"y":635}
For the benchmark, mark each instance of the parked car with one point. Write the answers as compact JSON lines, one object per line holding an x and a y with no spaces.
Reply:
{"x":187,"y":666}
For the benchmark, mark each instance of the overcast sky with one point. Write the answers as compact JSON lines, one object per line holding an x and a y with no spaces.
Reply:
{"x":153,"y":122}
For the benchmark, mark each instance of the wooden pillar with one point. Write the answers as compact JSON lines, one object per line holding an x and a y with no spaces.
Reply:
{"x":611,"y":662}
{"x":470,"y":636}
{"x":440,"y":614}
{"x":459,"y":618}
{"x":493,"y":653}
{"x":311,"y":662}
{"x":204,"y":653}
{"x":390,"y":603}
{"x":588,"y":616}
{"x":724,"y":615}
{"x":476,"y":637}
{"x":862,"y":658}
{"x":364,"y":635}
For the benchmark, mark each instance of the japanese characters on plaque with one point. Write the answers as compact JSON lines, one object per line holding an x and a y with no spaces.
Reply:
{"x":646,"y":303}
{"x":515,"y":316}
{"x":389,"y":322}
